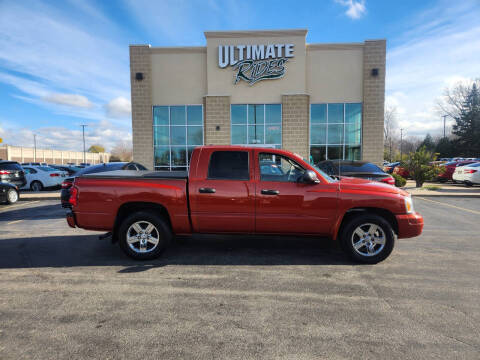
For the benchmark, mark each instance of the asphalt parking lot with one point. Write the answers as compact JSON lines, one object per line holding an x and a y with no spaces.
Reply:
{"x":66,"y":294}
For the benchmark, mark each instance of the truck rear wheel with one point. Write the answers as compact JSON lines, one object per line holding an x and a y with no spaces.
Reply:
{"x":368,"y":238}
{"x":144,"y":236}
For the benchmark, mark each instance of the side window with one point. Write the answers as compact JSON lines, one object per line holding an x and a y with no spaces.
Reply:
{"x":131,"y":167}
{"x":30,"y":171}
{"x":274,"y":167}
{"x":229,"y":165}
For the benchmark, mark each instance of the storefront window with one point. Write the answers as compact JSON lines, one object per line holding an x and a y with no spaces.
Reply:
{"x":257,"y":124}
{"x":177,"y":130}
{"x":335,"y":131}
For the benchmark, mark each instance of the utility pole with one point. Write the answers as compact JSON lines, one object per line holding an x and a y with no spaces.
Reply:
{"x":444,"y":117}
{"x":34,"y":147}
{"x":401,"y":144}
{"x":83,"y":134}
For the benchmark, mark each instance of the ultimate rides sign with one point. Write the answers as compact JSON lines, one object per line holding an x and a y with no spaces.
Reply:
{"x":254,"y":63}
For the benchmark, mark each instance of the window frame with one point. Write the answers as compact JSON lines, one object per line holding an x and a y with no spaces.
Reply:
{"x":226,"y":179}
{"x":344,"y":144}
{"x":264,"y":124}
{"x":171,"y":166}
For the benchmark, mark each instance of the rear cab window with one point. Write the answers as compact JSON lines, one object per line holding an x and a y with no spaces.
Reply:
{"x":229,"y":165}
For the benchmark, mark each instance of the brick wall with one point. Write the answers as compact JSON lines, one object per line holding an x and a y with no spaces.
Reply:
{"x":295,"y":124}
{"x":141,"y":94}
{"x":217,"y":113}
{"x":373,"y":101}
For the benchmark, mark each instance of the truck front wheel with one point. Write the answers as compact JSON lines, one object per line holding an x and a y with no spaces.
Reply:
{"x":144,"y":236}
{"x":368,"y":238}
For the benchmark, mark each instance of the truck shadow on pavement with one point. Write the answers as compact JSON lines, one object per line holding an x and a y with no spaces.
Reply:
{"x":45,"y":212}
{"x":87,"y":250}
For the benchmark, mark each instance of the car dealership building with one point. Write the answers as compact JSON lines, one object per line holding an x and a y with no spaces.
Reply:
{"x":261,"y":88}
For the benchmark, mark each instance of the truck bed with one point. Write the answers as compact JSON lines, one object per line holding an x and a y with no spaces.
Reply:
{"x":143,"y":174}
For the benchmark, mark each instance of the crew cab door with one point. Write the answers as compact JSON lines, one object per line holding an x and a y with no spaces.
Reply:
{"x":285,"y":203}
{"x":222,"y":194}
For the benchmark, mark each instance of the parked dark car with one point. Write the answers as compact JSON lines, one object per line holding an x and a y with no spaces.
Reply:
{"x":8,"y":193}
{"x":357,"y":169}
{"x":69,"y":169}
{"x":12,"y":172}
{"x":67,"y":183}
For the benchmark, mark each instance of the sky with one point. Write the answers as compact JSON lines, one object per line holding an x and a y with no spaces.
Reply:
{"x":65,"y":63}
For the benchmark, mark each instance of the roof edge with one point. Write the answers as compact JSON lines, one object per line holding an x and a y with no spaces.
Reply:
{"x":255,"y":33}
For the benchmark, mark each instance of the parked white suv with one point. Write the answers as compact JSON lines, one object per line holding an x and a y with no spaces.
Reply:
{"x":40,"y":177}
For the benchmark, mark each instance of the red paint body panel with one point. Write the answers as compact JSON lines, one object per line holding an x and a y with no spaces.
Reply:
{"x":238,"y":206}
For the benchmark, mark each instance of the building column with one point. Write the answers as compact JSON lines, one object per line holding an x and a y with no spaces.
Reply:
{"x":141,"y":96}
{"x":295,"y":124}
{"x":217,"y":120}
{"x":374,"y":53}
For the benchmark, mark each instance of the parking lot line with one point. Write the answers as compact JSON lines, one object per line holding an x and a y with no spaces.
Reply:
{"x":14,"y":222}
{"x":19,"y":205}
{"x":453,"y":206}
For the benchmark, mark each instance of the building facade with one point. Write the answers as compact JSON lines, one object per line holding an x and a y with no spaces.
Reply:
{"x":261,"y":88}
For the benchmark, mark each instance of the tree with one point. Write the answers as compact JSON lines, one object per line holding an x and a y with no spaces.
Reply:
{"x":428,"y":143}
{"x":445,"y":148}
{"x":467,"y":126}
{"x":419,"y":168}
{"x":122,"y":151}
{"x":462,"y":103}
{"x":389,"y":130}
{"x":96,"y":149}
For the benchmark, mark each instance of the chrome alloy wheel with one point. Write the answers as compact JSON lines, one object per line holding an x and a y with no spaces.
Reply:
{"x":12,"y":196}
{"x":368,"y":239}
{"x":142,"y":237}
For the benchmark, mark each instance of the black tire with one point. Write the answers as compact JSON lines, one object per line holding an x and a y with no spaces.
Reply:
{"x":12,"y":196}
{"x":468,"y":184}
{"x":36,"y":186}
{"x":347,"y":237}
{"x":161,"y":226}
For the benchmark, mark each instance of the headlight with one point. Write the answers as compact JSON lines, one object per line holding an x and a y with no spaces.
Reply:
{"x":408,"y":205}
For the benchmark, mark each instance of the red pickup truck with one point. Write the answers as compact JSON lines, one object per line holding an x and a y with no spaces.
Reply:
{"x":250,"y":190}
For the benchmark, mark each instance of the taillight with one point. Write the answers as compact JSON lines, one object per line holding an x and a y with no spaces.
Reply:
{"x":54,"y":174}
{"x":5,"y":172}
{"x":470,"y":171}
{"x":72,"y":200}
{"x":66,"y":184}
{"x":389,"y":180}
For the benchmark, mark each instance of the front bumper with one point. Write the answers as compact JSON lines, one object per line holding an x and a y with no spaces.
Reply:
{"x":71,"y":219}
{"x":409,"y":225}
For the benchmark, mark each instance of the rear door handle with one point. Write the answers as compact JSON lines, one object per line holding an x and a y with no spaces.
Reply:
{"x":270,"y":192}
{"x":207,"y":190}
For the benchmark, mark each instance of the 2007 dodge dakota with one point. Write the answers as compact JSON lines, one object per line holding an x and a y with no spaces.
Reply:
{"x":236,"y":189}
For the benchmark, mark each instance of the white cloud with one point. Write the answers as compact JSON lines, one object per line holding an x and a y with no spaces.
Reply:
{"x":74,"y":100}
{"x":355,"y":8}
{"x":104,"y":133}
{"x":442,"y":48}
{"x":119,"y":107}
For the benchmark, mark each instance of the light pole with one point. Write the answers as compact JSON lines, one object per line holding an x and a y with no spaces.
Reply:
{"x":83,"y":135}
{"x":444,"y":117}
{"x":401,"y":144}
{"x":34,"y":147}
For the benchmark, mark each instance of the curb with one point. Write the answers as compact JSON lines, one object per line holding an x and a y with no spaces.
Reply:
{"x":472,"y":196}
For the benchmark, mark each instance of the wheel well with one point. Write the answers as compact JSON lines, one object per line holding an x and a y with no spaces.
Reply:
{"x":131,"y":207}
{"x":387,"y":215}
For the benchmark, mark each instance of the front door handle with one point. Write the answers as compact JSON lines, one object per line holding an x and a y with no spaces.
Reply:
{"x":207,"y":190}
{"x":270,"y":192}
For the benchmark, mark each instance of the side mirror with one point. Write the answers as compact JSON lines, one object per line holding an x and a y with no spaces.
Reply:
{"x":310,"y":177}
